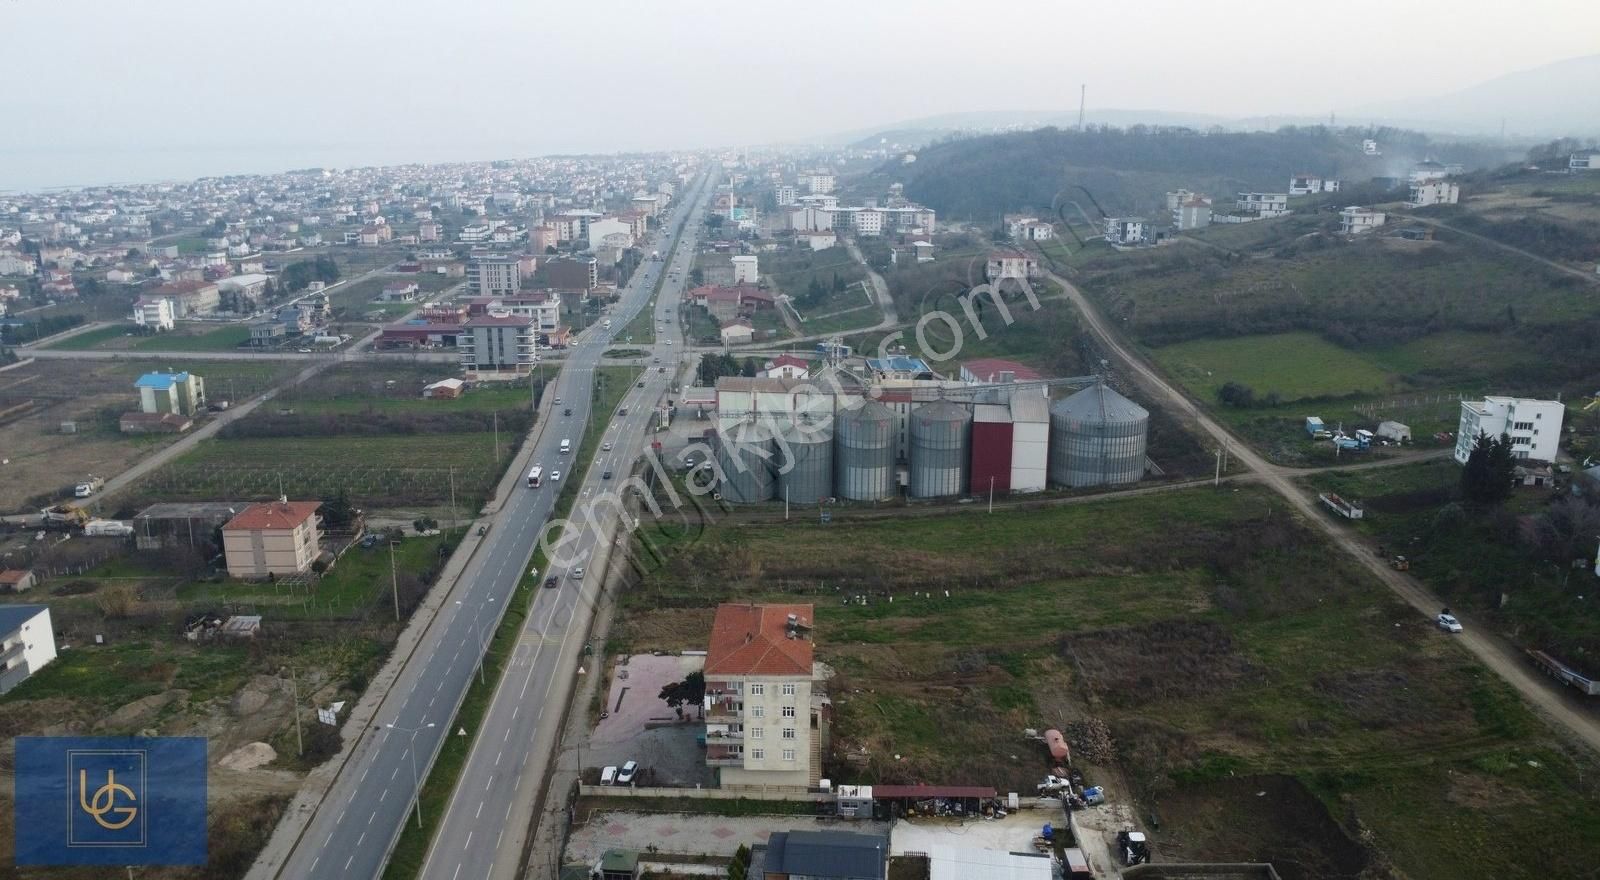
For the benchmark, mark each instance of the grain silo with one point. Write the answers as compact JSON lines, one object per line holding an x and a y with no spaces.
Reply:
{"x":805,"y":462}
{"x":863,"y":444}
{"x":941,"y":433}
{"x":1097,"y":437}
{"x":746,"y":460}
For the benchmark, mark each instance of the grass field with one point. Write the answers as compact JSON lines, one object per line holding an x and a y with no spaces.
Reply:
{"x":1292,"y":365}
{"x":1217,"y":638}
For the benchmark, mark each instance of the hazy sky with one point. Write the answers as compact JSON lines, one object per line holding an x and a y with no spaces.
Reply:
{"x":106,"y":90}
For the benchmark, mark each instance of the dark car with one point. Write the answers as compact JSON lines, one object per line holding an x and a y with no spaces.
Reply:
{"x":567,"y":411}
{"x":551,"y":583}
{"x":606,"y":475}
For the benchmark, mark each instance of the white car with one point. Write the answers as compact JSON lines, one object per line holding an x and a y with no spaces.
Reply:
{"x":1448,"y":623}
{"x":555,"y":476}
{"x":577,"y":572}
{"x":606,"y":446}
{"x":628,"y":771}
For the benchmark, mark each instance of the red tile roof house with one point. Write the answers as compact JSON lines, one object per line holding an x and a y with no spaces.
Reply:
{"x":272,"y":538}
{"x":763,"y":724}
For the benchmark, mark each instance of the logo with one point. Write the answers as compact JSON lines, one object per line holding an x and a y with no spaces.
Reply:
{"x":110,"y":801}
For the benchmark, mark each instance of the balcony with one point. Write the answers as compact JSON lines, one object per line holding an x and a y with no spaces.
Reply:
{"x":724,"y":711}
{"x":11,"y":653}
{"x":717,"y":734}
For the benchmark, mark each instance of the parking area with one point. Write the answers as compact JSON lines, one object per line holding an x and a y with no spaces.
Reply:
{"x":689,"y":833}
{"x":639,"y":726}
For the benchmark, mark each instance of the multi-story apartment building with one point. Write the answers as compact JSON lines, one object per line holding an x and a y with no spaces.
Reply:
{"x":498,"y":342}
{"x":153,"y":313}
{"x":27,"y":642}
{"x":1356,"y":219}
{"x":276,"y":538}
{"x":1192,"y":213}
{"x":1262,"y":205}
{"x":1010,"y":264}
{"x":746,"y":269}
{"x":182,"y":393}
{"x":487,"y":276}
{"x":786,"y":195}
{"x":1534,"y":426}
{"x":764,"y":725}
{"x":1433,"y":192}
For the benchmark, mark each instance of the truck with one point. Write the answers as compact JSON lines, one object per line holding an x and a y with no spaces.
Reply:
{"x":1565,"y":674}
{"x":1340,"y":506}
{"x":88,"y":487}
{"x":1132,"y":848}
{"x":655,"y":256}
{"x":107,"y":528}
{"x":65,"y":515}
{"x":1315,"y":428}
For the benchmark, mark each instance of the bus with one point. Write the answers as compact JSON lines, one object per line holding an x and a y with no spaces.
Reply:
{"x":534,"y":476}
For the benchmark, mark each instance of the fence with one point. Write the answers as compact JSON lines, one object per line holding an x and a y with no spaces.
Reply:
{"x":764,"y":793}
{"x":1373,"y":410}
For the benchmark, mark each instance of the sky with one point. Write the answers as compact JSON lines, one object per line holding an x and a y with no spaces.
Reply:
{"x":103,"y":91}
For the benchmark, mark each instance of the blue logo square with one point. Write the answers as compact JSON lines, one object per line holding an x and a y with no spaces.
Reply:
{"x":110,"y":801}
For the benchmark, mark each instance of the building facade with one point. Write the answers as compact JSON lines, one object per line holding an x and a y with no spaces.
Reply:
{"x":275,"y":538}
{"x":27,"y":643}
{"x":1356,"y":219}
{"x":762,"y":728}
{"x":182,"y":393}
{"x":1433,"y":192}
{"x":1534,"y":426}
{"x":497,"y":343}
{"x":487,"y":276}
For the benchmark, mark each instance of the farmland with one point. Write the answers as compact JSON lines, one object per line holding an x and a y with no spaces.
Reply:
{"x":1290,"y":366}
{"x":355,"y":300}
{"x":188,"y":337}
{"x":1224,"y":647}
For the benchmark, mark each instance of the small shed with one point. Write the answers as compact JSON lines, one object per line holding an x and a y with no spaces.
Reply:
{"x":16,"y":580}
{"x":1394,"y":431}
{"x":444,"y":389}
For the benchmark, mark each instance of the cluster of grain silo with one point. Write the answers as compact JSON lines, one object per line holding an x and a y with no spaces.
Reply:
{"x":1021,"y":444}
{"x":1097,"y":437}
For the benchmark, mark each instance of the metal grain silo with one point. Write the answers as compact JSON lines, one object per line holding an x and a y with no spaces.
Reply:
{"x":863,"y":443}
{"x":805,"y":462}
{"x":746,"y":459}
{"x":941,"y":434}
{"x":1097,"y":437}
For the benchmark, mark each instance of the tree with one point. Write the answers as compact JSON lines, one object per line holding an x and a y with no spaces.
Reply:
{"x":691,"y":690}
{"x":425,"y":523}
{"x":1486,"y":478}
{"x":1566,"y":531}
{"x":1236,"y":394}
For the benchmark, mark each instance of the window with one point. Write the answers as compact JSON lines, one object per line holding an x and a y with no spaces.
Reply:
{"x":788,"y":754}
{"x":788,"y":733}
{"x":757,"y":690}
{"x":788,"y":711}
{"x":788,"y":689}
{"x":758,"y":711}
{"x":755,"y":733}
{"x":758,"y":754}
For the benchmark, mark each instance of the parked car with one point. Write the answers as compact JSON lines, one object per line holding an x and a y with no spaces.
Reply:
{"x":1448,"y":622}
{"x":608,"y":776}
{"x":628,"y":771}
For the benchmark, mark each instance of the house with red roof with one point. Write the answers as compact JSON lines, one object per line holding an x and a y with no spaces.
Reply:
{"x":764,"y":717}
{"x":272,"y":539}
{"x":786,"y":366}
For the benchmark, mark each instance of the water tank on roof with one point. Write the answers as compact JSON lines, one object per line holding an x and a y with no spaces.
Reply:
{"x":941,"y":434}
{"x":805,"y":461}
{"x":746,"y":461}
{"x":864,"y":452}
{"x":1097,"y":437}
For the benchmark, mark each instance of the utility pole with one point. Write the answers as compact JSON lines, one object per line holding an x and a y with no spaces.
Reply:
{"x":1217,"y":480}
{"x":991,"y":494}
{"x":1083,"y":97}
{"x":299,"y":737}
{"x":453,"y":510}
{"x":497,"y":436}
{"x":394,"y":583}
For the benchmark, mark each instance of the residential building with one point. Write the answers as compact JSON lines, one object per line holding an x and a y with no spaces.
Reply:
{"x":825,"y":855}
{"x":27,"y":643}
{"x":1311,"y":184}
{"x":819,"y":241}
{"x":153,"y":313}
{"x":1022,"y":228}
{"x":726,"y":303}
{"x":737,"y":331}
{"x":1125,"y":230}
{"x":582,"y":273}
{"x":604,"y":226}
{"x":16,"y":580}
{"x":761,"y":723}
{"x":1534,"y":426}
{"x":430,"y":230}
{"x":745,"y":269}
{"x":1263,"y":205}
{"x":243,"y":293}
{"x":1003,"y":264}
{"x":181,"y":393}
{"x":1433,"y":192}
{"x":786,"y":195}
{"x":268,"y":332}
{"x":786,"y":366}
{"x":190,"y":298}
{"x":399,"y":291}
{"x":493,"y":275}
{"x":1192,"y":213}
{"x":275,"y":538}
{"x":13,"y":263}
{"x":1583,"y":160}
{"x":498,"y":342}
{"x":1429,"y":170}
{"x":1356,"y":219}
{"x":811,"y":218}
{"x":817,"y":182}
{"x":1370,"y":147}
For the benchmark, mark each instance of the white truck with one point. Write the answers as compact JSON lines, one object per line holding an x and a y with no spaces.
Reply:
{"x":88,"y":487}
{"x":566,"y":446}
{"x":107,"y":528}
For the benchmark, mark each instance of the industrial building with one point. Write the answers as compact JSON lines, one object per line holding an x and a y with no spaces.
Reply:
{"x":1097,"y":438}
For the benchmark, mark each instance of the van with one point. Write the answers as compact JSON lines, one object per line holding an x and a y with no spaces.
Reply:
{"x":608,"y":776}
{"x":566,"y":446}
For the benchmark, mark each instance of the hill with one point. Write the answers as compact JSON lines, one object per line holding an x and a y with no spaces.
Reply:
{"x":1128,"y":170}
{"x":1547,"y":101}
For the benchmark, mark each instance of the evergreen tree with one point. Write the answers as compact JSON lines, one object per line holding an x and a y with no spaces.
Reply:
{"x":1486,"y":477}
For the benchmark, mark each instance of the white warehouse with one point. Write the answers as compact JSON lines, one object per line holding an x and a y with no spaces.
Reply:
{"x":1534,"y":426}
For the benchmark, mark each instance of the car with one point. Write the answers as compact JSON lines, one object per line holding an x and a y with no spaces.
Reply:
{"x":555,"y":476}
{"x":661,"y":369}
{"x":608,"y":776}
{"x":628,"y":771}
{"x":305,"y":351}
{"x":1448,"y":622}
{"x":567,"y":411}
{"x":606,"y":446}
{"x":552,"y":582}
{"x":655,"y":360}
{"x":577,"y":571}
{"x":669,"y":342}
{"x":606,"y":475}
{"x":623,"y":411}
{"x":558,"y":401}
{"x":641,"y":383}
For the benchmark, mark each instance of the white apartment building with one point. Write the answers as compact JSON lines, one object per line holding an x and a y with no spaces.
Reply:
{"x":1263,"y":205}
{"x":811,"y":219}
{"x":17,"y":264}
{"x":786,"y":195}
{"x":867,"y":221}
{"x":1356,"y":219}
{"x":488,"y":276}
{"x":1194,"y":213}
{"x":1028,"y":229}
{"x":605,"y":226}
{"x":762,"y":719}
{"x":1305,"y":184}
{"x":746,"y":269}
{"x":1125,"y":230}
{"x":496,"y":343}
{"x":27,"y":642}
{"x":153,"y":313}
{"x":1433,"y":192}
{"x":1534,"y":426}
{"x":817,"y":183}
{"x":1583,"y":160}
{"x":1010,"y":264}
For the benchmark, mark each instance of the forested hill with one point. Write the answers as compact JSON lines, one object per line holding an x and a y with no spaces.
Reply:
{"x":1129,"y":170}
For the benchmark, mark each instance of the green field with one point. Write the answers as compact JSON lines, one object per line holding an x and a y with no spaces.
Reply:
{"x":185,"y":337}
{"x":1292,"y":365}
{"x":1225,"y":646}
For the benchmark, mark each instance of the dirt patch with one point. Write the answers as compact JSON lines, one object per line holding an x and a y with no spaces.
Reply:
{"x":249,"y":756}
{"x":142,"y":711}
{"x":1257,"y":819}
{"x":1168,"y":659}
{"x":1476,"y":791}
{"x":1381,"y":699}
{"x":664,"y":629}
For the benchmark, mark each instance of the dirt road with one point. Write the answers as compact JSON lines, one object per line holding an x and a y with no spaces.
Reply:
{"x":1500,"y":657}
{"x":1590,"y":277}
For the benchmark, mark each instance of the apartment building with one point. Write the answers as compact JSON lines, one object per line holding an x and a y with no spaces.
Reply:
{"x":27,"y":643}
{"x":763,"y":723}
{"x":498,"y":342}
{"x":275,"y":538}
{"x":1534,"y":426}
{"x":1125,"y":230}
{"x":1433,"y":192}
{"x":746,"y":269}
{"x":1263,"y":205}
{"x":182,"y":393}
{"x":1010,"y":264}
{"x":153,"y":313}
{"x":786,"y":195}
{"x":487,"y":276}
{"x":1356,"y":219}
{"x":1192,"y":213}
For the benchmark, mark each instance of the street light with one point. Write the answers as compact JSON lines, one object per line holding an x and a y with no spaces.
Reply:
{"x":416,"y":782}
{"x":483,"y":647}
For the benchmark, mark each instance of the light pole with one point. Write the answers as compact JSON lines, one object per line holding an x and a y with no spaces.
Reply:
{"x":394,"y":583}
{"x":416,"y":782}
{"x":483,"y":647}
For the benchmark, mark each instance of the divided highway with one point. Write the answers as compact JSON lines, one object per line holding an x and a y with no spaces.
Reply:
{"x":357,"y":823}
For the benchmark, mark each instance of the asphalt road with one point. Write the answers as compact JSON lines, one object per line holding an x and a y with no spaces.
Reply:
{"x":356,"y":825}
